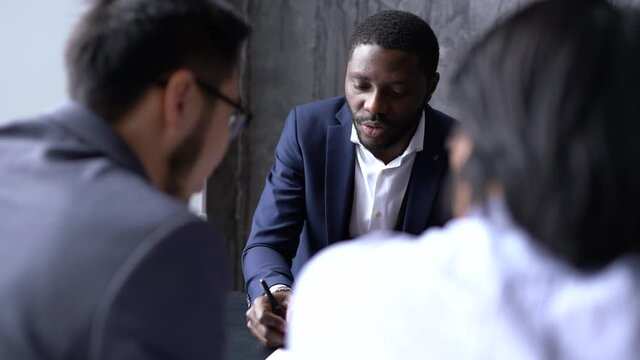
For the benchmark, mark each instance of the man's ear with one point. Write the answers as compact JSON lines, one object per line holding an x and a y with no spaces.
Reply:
{"x":432,"y":84}
{"x":182,"y":104}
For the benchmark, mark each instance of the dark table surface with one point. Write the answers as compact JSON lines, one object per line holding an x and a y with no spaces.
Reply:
{"x":241,"y":345}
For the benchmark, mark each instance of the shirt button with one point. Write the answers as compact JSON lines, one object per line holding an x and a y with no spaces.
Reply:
{"x":377,"y":214}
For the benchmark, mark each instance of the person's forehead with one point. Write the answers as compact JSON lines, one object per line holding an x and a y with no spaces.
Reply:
{"x":374,"y":60}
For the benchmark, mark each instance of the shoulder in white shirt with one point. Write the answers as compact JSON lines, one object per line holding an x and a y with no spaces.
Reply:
{"x":477,"y":289}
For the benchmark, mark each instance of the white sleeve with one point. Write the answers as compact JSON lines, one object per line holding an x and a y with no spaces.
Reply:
{"x":334,"y":298}
{"x":318,"y":306}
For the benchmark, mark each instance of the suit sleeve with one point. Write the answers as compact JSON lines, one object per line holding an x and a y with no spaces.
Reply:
{"x":172,"y":304}
{"x":279,"y":216}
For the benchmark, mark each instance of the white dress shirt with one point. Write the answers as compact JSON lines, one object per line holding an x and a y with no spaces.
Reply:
{"x":378,"y":188}
{"x":479,"y":288}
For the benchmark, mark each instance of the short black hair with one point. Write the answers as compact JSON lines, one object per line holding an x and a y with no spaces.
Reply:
{"x":399,"y":30}
{"x":120,"y":48}
{"x":551,"y":102}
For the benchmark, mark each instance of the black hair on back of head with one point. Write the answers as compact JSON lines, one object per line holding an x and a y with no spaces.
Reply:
{"x":121,"y":48}
{"x":551,"y":102}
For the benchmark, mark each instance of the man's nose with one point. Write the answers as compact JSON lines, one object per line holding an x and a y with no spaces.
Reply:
{"x":376,"y":103}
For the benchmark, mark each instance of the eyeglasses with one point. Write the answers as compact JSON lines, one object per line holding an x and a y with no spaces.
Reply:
{"x":240,"y":117}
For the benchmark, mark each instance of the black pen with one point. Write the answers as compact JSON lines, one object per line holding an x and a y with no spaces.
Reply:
{"x":277,"y":309}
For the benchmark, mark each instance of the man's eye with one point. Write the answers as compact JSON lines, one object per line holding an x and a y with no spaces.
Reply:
{"x":398,"y":92}
{"x":360,"y":87}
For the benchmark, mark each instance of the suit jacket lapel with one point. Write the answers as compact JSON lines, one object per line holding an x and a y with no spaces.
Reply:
{"x":340,"y":162}
{"x":425,"y":177}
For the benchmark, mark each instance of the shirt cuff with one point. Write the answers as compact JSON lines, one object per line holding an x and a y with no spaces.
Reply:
{"x":279,"y":287}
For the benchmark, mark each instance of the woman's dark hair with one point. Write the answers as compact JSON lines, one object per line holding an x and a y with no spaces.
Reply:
{"x":552,"y":104}
{"x":122,"y":47}
{"x":399,"y":30}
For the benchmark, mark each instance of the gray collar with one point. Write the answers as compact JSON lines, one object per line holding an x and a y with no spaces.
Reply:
{"x":85,"y":124}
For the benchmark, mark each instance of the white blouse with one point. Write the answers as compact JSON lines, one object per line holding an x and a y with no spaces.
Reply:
{"x":479,"y":288}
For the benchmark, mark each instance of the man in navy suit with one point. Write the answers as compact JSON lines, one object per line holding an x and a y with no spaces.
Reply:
{"x":99,"y":256}
{"x":373,"y":159}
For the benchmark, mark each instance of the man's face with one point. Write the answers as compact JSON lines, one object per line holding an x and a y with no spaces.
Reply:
{"x":386,"y":91}
{"x":203,"y":150}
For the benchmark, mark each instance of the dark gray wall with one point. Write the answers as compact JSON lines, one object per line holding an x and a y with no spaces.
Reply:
{"x":297,"y":54}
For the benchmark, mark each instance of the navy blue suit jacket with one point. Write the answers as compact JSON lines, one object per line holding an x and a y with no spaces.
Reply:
{"x":95,"y":262}
{"x":306,"y":203}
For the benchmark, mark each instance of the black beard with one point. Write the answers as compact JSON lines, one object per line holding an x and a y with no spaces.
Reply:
{"x":182,"y":160}
{"x":378,"y":120}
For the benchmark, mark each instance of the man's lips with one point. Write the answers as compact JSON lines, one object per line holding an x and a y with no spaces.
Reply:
{"x":373,"y":124}
{"x":372,"y":129}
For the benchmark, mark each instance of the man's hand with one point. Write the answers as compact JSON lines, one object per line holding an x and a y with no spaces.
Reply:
{"x":268,"y":327}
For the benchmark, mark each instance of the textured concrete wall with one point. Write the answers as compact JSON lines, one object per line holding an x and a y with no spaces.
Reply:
{"x":296,"y":55}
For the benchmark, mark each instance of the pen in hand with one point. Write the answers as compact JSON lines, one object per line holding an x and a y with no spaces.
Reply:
{"x":277,"y":309}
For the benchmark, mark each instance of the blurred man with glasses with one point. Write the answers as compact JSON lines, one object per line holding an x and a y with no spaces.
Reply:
{"x":100,"y":257}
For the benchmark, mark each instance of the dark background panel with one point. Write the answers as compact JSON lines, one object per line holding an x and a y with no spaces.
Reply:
{"x":297,"y":54}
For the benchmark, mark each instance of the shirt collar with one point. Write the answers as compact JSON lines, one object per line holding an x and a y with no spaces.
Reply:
{"x":85,"y":124}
